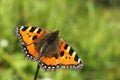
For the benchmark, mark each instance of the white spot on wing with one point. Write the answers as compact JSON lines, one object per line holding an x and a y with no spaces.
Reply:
{"x":22,"y":27}
{"x":45,"y":66}
{"x":79,"y":60}
{"x":26,"y":52}
{"x":28,"y":55}
{"x":49,"y":67}
{"x":42,"y":64}
{"x":53,"y":67}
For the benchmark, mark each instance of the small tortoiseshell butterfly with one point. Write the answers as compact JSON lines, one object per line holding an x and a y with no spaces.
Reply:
{"x":47,"y":48}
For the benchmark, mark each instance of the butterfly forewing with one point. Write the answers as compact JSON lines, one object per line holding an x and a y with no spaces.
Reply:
{"x":68,"y":57}
{"x":27,"y":36}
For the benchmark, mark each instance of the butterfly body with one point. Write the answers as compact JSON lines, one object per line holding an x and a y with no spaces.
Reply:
{"x":48,"y":45}
{"x":47,"y":48}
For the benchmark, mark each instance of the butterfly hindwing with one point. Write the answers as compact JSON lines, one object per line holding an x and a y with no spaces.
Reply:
{"x":65,"y":57}
{"x":28,"y":34}
{"x":49,"y":63}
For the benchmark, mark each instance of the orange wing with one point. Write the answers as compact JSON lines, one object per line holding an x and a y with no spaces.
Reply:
{"x":68,"y":57}
{"x":50,"y":64}
{"x":27,"y":35}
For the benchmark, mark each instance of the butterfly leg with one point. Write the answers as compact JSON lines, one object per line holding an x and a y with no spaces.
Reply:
{"x":41,"y":53}
{"x":37,"y":70}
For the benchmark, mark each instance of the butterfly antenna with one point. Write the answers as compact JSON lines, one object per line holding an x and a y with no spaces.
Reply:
{"x":37,"y":70}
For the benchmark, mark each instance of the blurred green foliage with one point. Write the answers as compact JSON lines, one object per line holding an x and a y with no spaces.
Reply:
{"x":92,"y":29}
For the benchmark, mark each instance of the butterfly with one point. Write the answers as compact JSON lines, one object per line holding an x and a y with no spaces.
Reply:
{"x":47,"y":48}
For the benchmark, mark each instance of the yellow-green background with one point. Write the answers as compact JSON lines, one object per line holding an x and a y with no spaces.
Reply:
{"x":91,"y":27}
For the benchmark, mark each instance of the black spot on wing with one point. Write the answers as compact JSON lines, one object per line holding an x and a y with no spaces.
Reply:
{"x":34,"y":37}
{"x":65,"y":47}
{"x":76,"y":57}
{"x":80,"y":62}
{"x":62,"y":53}
{"x":39,"y":30}
{"x":25,"y":28}
{"x":69,"y":57}
{"x":66,"y":57}
{"x":71,"y":51}
{"x":32,"y":29}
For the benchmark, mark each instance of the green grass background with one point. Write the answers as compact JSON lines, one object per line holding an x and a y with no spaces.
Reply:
{"x":93,"y":30}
